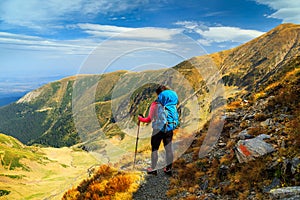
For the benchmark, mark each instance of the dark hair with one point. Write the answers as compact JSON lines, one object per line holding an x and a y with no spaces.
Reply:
{"x":160,"y":89}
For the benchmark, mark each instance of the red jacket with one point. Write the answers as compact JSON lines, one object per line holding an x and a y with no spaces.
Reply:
{"x":151,"y":114}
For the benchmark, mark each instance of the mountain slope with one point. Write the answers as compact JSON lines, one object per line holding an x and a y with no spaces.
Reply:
{"x":255,"y":62}
{"x":28,"y":172}
{"x":45,"y":116}
{"x":261,"y":81}
{"x":265,"y":75}
{"x":273,"y":112}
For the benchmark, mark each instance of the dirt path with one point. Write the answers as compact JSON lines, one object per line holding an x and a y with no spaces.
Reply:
{"x":153,"y":187}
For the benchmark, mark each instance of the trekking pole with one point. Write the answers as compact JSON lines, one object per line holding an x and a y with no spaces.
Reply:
{"x":136,"y":144}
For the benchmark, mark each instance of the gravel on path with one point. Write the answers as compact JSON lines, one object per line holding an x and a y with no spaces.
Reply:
{"x":154,"y":187}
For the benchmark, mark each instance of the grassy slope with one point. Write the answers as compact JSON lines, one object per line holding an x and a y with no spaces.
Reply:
{"x":38,"y":173}
{"x":241,"y":178}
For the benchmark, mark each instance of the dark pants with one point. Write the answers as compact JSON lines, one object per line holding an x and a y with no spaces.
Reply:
{"x":157,"y":137}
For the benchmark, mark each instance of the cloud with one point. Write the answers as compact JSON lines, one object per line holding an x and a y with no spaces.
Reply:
{"x":227,"y":34}
{"x":146,"y":33}
{"x":287,"y":11}
{"x":36,"y":14}
{"x":218,"y":34}
{"x":147,"y":45}
{"x":192,"y":25}
{"x":102,"y":30}
{"x":20,"y":42}
{"x":118,"y":37}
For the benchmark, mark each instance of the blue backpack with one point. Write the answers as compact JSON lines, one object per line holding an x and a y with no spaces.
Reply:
{"x":167,"y":115}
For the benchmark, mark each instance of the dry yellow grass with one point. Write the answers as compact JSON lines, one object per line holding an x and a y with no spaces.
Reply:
{"x":50,"y":178}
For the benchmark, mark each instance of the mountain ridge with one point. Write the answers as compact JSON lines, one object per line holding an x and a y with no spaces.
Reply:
{"x":261,"y":81}
{"x":259,"y":55}
{"x":244,"y":67}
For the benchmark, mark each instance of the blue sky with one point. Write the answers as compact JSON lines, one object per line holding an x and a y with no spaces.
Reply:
{"x":55,"y":37}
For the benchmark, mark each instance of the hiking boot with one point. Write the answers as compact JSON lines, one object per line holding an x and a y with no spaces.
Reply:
{"x":168,"y":171}
{"x":151,"y":171}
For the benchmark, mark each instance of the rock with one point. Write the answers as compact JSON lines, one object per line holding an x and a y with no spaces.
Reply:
{"x":282,"y":117}
{"x":244,"y":135}
{"x":274,"y":164}
{"x":295,"y":165}
{"x":267,"y":122}
{"x":274,"y":184}
{"x":204,"y":185}
{"x":248,"y":116}
{"x":286,"y":193}
{"x":250,"y":149}
{"x":224,"y":183}
{"x":222,"y":144}
{"x":229,"y":116}
{"x":263,"y":136}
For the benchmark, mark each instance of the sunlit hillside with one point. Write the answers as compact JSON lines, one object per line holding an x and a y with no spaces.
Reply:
{"x":273,"y":111}
{"x":261,"y":79}
{"x":238,"y":137}
{"x":29,"y":172}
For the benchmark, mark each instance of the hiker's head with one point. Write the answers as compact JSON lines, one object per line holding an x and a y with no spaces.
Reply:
{"x":160,"y":89}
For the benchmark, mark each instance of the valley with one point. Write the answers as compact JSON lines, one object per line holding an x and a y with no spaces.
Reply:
{"x":40,"y":173}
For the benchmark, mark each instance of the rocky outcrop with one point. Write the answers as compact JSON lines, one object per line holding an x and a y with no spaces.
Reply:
{"x":29,"y":96}
{"x":250,"y":149}
{"x":286,"y":193}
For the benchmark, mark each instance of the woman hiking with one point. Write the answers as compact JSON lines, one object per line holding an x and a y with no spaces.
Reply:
{"x":164,"y":117}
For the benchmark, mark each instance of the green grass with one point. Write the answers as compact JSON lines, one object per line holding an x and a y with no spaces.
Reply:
{"x":12,"y":151}
{"x":35,"y":196}
{"x":13,"y":176}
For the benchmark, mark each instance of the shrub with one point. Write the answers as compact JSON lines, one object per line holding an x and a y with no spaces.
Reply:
{"x":107,"y":183}
{"x":4,"y":192}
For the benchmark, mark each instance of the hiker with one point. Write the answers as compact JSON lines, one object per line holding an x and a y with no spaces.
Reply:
{"x":164,"y":117}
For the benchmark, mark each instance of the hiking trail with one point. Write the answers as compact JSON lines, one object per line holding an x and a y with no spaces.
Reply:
{"x":153,"y":187}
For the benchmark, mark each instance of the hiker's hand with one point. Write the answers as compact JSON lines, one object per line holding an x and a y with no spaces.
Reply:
{"x":140,"y":118}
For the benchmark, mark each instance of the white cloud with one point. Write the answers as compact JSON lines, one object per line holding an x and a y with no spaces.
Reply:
{"x":152,"y":33}
{"x":228,"y":34}
{"x":146,"y":33}
{"x":116,"y":37}
{"x":103,"y":28}
{"x":147,"y":45}
{"x":218,"y":34}
{"x":204,"y":42}
{"x":19,"y":42}
{"x":286,"y":10}
{"x":36,"y":14}
{"x":192,"y":25}
{"x":33,"y":13}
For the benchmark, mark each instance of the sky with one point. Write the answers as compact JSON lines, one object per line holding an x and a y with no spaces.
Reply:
{"x":57,"y":38}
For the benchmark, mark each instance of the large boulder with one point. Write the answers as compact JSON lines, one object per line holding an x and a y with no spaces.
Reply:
{"x":290,"y":193}
{"x":250,"y":149}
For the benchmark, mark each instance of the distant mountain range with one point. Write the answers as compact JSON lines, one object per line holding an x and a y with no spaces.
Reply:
{"x":13,"y":88}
